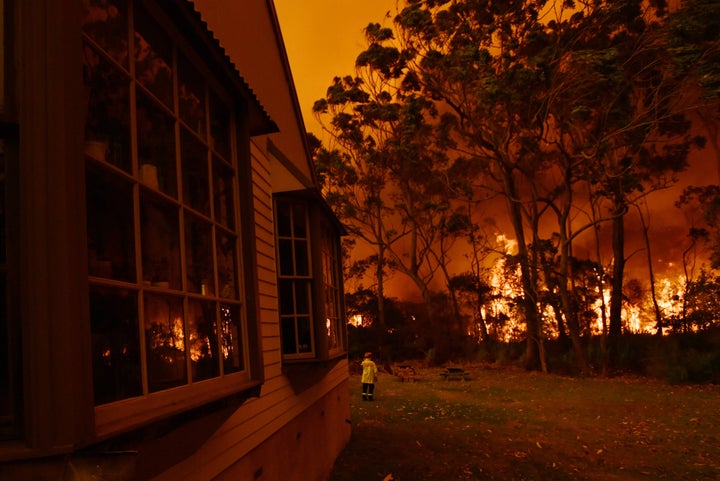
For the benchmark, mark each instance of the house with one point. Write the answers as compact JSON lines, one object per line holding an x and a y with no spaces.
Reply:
{"x":170,"y":285}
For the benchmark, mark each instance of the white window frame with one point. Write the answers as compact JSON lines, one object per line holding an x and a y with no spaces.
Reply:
{"x":304,"y":280}
{"x":126,"y":413}
{"x":323,"y":279}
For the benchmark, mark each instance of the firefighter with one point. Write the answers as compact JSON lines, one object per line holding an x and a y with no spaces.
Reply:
{"x":369,"y":377}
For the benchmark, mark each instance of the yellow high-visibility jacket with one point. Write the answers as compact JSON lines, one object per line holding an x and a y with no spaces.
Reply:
{"x":369,"y":371}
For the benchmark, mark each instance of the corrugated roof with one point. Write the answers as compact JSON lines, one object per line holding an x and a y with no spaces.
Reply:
{"x":187,"y":17}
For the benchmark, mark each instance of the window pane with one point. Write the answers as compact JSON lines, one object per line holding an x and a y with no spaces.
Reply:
{"x":156,"y":146}
{"x":304,"y":335}
{"x":110,"y":227}
{"x":164,"y":342}
{"x":196,"y":181}
{"x":284,"y":220}
{"x":106,"y":22}
{"x":232,"y":343}
{"x":191,"y":92}
{"x":224,"y":194}
{"x":198,"y":249}
{"x":287,"y":297}
{"x":227,"y":266}
{"x":332,"y":332}
{"x":8,"y":368}
{"x":115,"y":344}
{"x":202,"y":340}
{"x":219,"y":126}
{"x":331,"y":286}
{"x":289,"y":341}
{"x":3,"y":220}
{"x":287,"y":266}
{"x":153,"y":56}
{"x":10,"y":345}
{"x":295,"y":316}
{"x":299,"y":215}
{"x":6,"y":400}
{"x":107,"y":124}
{"x":302,"y":267}
{"x":160,"y":243}
{"x":302,"y":297}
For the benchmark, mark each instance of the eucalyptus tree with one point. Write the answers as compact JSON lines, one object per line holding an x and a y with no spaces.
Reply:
{"x":353,"y":179}
{"x":703,"y":205}
{"x":543,"y":96}
{"x":387,"y":176}
{"x":473,"y":58}
{"x":622,"y":120}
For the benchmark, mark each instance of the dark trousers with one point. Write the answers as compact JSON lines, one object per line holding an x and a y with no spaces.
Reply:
{"x":367,"y":390}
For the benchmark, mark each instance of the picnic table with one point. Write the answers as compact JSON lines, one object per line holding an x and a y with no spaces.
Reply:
{"x":405,"y":372}
{"x":455,"y":373}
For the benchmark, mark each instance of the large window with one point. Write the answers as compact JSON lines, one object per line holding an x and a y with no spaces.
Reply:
{"x":294,"y":279}
{"x":332,"y":288}
{"x":310,"y":287}
{"x":10,"y":400}
{"x":10,"y":355}
{"x":6,"y":398}
{"x":162,"y":210}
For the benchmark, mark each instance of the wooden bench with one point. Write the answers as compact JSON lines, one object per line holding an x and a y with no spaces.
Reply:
{"x":455,"y":373}
{"x":405,"y":372}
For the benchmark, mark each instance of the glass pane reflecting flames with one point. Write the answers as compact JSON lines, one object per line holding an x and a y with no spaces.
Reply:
{"x":164,"y":342}
{"x":202,"y":339}
{"x":115,"y":344}
{"x":231,"y":336}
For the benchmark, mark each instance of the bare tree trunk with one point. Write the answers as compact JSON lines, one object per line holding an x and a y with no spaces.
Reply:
{"x":651,"y":273}
{"x":480,"y":320}
{"x":618,"y":248}
{"x":379,"y":274}
{"x":533,"y":349}
{"x":616,"y":294}
{"x":601,"y":288}
{"x":574,"y":329}
{"x":571,"y":318}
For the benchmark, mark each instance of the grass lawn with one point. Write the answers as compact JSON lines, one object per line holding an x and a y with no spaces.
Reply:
{"x":509,"y":424}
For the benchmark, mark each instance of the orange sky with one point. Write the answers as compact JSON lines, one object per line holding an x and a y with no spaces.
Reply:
{"x":323,"y":38}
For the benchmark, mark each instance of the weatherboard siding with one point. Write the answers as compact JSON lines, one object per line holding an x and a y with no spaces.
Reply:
{"x":259,"y":419}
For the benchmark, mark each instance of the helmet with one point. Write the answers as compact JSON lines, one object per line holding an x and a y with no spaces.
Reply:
{"x":368,"y":354}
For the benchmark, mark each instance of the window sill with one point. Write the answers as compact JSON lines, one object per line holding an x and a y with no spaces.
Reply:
{"x":129,"y":414}
{"x":305,"y":373}
{"x":19,"y":451}
{"x":331,"y":358}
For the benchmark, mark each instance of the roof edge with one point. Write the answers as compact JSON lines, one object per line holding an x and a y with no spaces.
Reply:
{"x":188,"y":17}
{"x":291,"y":86}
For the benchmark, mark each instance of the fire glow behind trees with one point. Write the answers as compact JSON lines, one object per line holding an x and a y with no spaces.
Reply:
{"x":572,"y":114}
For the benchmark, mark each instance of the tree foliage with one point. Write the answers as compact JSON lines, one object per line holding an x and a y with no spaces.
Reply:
{"x":559,"y":108}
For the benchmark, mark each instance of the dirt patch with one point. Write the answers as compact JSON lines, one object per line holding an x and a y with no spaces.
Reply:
{"x":506,"y":424}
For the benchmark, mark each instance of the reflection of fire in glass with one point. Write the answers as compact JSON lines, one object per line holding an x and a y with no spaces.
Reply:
{"x":167,"y":335}
{"x":178,"y":333}
{"x":165,"y":341}
{"x":230,"y":336}
{"x":226,"y":323}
